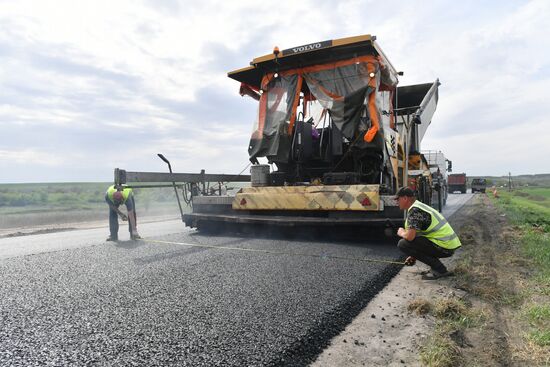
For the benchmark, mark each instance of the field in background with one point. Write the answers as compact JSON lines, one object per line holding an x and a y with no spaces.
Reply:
{"x":540,"y":180}
{"x":24,"y":205}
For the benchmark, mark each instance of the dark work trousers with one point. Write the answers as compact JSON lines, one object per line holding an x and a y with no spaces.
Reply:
{"x":113,"y":219}
{"x":425,"y":251}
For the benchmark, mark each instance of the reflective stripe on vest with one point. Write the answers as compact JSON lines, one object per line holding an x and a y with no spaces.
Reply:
{"x":126,"y":191}
{"x":440,"y":231}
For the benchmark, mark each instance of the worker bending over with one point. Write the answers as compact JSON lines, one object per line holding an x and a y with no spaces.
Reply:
{"x":114,"y":198}
{"x":427,"y":236}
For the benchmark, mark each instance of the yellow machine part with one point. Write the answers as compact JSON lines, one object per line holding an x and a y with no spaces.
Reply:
{"x":322,"y":197}
{"x":419,"y":162}
{"x":415,"y":162}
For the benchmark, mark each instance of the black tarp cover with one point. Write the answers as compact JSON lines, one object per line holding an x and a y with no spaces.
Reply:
{"x":343,"y":88}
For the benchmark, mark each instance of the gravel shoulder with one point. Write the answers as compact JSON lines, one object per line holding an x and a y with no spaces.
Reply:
{"x":385,"y":333}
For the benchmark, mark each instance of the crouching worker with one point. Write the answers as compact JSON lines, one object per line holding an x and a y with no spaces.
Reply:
{"x":427,"y":236}
{"x":114,"y":198}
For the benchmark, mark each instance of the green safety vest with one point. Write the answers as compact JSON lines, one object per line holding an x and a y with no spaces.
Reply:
{"x":126,"y":191}
{"x":440,"y":231}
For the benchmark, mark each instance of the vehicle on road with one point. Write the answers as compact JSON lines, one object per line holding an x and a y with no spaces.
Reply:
{"x":334,"y":139}
{"x":479,"y":185}
{"x":439,"y":166}
{"x":457,"y":182}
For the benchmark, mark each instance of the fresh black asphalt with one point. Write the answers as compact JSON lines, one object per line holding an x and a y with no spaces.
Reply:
{"x":158,"y":304}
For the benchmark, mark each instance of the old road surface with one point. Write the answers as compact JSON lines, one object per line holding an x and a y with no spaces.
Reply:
{"x":71,"y":299}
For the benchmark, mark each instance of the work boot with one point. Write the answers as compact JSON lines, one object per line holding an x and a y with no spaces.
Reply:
{"x":135,"y":236}
{"x":433,"y":274}
{"x":112,"y":239}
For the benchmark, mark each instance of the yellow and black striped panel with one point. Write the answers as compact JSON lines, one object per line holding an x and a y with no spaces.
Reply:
{"x":328,"y":197}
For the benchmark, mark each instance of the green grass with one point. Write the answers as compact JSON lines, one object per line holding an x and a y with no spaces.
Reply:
{"x":457,"y":314}
{"x":538,"y":313}
{"x":440,"y":351}
{"x":537,"y":191}
{"x":540,"y":337}
{"x":529,"y":209}
{"x":524,"y":207}
{"x":539,"y":319}
{"x":536,"y":245}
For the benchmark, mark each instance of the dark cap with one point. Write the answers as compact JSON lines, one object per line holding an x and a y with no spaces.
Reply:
{"x":404,"y":191}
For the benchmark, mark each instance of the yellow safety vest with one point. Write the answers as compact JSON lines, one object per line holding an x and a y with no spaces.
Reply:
{"x":126,"y":191}
{"x":440,"y":231}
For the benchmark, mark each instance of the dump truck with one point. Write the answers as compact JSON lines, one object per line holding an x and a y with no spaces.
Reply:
{"x":457,"y":182}
{"x":335,"y":137}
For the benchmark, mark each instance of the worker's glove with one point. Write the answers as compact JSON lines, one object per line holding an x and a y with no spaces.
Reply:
{"x":410,"y":261}
{"x":124,"y":217}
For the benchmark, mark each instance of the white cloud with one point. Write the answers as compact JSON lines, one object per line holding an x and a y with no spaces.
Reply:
{"x":156,"y":71}
{"x":29,"y":157}
{"x":506,"y":150}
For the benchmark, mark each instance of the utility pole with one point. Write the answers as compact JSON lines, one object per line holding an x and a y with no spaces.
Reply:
{"x":509,"y":181}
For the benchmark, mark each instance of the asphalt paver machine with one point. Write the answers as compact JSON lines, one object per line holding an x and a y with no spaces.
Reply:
{"x":334,"y":139}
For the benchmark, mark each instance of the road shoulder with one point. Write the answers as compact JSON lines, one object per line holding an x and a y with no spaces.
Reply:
{"x":386,"y":333}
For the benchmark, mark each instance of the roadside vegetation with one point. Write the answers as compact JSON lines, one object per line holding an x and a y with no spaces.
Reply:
{"x":529,"y":210}
{"x":498,"y":309}
{"x":453,"y":317}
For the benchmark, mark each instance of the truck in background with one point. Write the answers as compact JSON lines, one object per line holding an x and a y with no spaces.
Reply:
{"x":479,"y":185}
{"x":439,"y":166}
{"x":457,"y":182}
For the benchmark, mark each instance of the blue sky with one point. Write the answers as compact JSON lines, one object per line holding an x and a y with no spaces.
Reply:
{"x":87,"y":86}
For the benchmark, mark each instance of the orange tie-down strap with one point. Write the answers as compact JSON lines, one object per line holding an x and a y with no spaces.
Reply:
{"x":373,"y":111}
{"x":295,"y":105}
